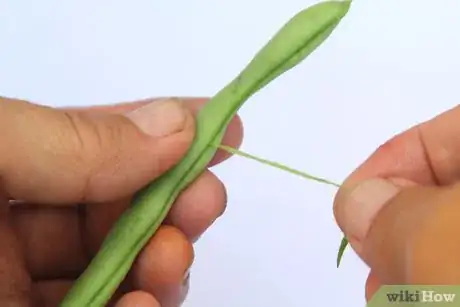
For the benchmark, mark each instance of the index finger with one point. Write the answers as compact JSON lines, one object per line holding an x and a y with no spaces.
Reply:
{"x":427,"y":155}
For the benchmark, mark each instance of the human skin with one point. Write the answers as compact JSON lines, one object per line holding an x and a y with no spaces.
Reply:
{"x":400,"y":209}
{"x":74,"y":171}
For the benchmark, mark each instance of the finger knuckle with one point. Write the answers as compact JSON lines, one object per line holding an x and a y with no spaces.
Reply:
{"x":93,"y":141}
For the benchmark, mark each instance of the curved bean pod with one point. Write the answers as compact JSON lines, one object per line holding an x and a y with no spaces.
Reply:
{"x":294,"y":42}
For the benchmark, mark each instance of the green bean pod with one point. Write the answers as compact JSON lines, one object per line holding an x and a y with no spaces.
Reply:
{"x":295,"y":41}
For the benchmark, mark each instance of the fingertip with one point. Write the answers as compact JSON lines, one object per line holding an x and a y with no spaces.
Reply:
{"x":163,"y":266}
{"x":357,"y":205}
{"x":166,"y":259}
{"x":199,"y":206}
{"x":138,"y":299}
{"x":372,"y":286}
{"x":172,"y":295}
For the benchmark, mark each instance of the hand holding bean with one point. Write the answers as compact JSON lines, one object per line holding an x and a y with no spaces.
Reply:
{"x":73,"y":172}
{"x":173,"y":146}
{"x":400,"y":210}
{"x":297,"y":39}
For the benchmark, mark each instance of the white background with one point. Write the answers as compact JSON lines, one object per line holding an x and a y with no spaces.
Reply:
{"x":389,"y":65}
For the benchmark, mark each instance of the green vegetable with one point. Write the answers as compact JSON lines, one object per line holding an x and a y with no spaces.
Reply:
{"x":294,"y":42}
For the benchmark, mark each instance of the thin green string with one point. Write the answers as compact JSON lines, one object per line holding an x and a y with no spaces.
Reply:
{"x":277,"y":165}
{"x":344,"y":242}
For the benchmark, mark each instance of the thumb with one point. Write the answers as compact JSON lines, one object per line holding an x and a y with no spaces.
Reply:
{"x":55,"y":156}
{"x":406,"y":233}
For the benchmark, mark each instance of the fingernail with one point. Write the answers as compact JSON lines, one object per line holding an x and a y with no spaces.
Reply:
{"x":184,"y":289}
{"x":160,"y":118}
{"x":196,"y":238}
{"x":186,"y":277}
{"x":360,"y":204}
